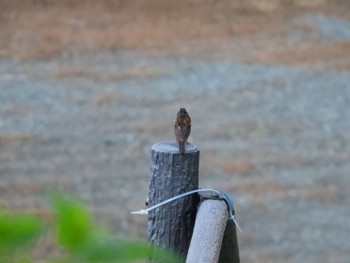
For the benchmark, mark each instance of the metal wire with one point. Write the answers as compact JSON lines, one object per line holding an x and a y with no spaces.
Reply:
{"x":221,"y":195}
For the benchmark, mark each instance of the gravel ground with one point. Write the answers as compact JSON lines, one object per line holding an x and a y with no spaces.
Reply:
{"x":274,"y":136}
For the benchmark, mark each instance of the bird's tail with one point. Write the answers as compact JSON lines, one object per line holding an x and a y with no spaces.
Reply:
{"x":182,"y":148}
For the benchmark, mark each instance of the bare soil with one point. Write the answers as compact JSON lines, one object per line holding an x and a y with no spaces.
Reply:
{"x":86,"y":87}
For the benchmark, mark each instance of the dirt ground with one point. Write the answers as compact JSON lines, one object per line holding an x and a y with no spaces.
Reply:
{"x":86,"y":88}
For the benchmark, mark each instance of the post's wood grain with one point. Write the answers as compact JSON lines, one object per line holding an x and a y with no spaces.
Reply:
{"x":171,"y":173}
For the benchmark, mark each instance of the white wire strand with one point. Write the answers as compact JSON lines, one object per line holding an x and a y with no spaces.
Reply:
{"x":225,"y":197}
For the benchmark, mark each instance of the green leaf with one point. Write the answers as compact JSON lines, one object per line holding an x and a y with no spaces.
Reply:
{"x":121,"y":250}
{"x":73,"y":222}
{"x":88,"y":243}
{"x":17,"y":231}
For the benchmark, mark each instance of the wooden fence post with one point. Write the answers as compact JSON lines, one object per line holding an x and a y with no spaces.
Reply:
{"x":171,"y":173}
{"x":229,"y":249}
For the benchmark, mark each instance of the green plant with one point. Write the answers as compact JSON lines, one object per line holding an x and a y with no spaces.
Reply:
{"x":80,"y":239}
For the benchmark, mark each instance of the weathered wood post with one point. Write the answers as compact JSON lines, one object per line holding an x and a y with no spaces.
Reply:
{"x":171,"y":173}
{"x":229,"y":250}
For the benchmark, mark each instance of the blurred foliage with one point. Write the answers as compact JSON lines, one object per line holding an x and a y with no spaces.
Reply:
{"x":17,"y":233}
{"x":80,"y":239}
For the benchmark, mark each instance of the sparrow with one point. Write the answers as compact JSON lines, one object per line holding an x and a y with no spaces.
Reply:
{"x":182,"y":129}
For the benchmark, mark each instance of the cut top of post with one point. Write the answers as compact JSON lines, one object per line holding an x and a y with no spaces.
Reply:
{"x":173,"y":147}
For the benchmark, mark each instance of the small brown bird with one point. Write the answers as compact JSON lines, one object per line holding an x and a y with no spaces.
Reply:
{"x":182,"y":128}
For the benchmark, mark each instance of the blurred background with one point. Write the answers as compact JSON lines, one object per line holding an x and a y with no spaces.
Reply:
{"x":86,"y":88}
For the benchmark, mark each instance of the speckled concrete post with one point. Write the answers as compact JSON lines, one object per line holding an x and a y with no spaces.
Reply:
{"x":208,"y":232}
{"x":171,"y":173}
{"x":214,"y":237}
